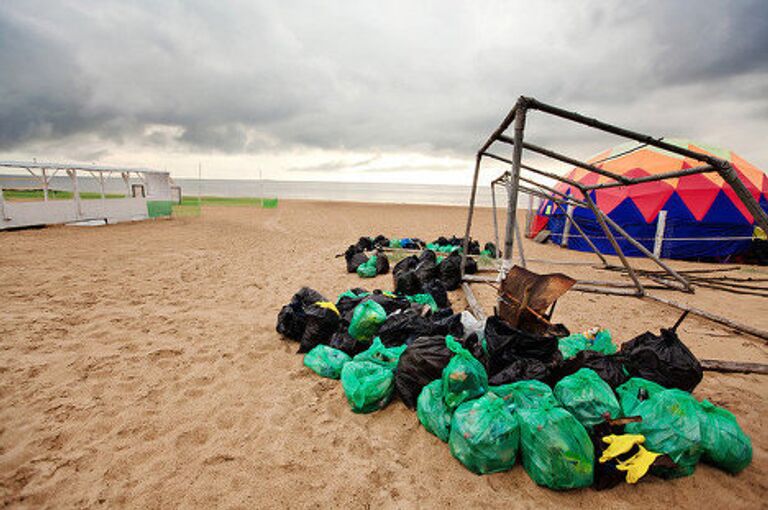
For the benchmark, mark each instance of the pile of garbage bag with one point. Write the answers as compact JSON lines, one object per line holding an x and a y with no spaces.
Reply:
{"x":357,"y":261}
{"x":574,"y":410}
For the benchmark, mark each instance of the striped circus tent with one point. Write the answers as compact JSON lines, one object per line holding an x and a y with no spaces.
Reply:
{"x":704,"y":217}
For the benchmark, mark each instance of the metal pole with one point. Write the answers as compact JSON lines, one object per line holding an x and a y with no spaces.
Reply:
{"x":601,"y":219}
{"x":661,"y":223}
{"x":512,"y":188}
{"x":471,"y":212}
{"x":495,"y":219}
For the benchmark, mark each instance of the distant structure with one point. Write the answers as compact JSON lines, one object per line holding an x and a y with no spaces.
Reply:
{"x":688,"y":217}
{"x":144,"y":194}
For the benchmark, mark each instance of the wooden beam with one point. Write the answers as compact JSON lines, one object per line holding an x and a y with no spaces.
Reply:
{"x":744,"y":328}
{"x":715,"y":365}
{"x":474,"y":306}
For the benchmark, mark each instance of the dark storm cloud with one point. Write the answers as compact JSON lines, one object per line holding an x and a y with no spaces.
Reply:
{"x":432,"y":77}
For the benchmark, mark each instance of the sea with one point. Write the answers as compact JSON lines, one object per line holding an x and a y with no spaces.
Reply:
{"x":393,"y":193}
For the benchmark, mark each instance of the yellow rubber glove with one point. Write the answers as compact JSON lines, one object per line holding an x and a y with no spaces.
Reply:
{"x":637,"y":465}
{"x":619,"y":445}
{"x":329,"y":305}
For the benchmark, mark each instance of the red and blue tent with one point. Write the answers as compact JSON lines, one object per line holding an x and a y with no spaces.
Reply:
{"x":705,"y":218}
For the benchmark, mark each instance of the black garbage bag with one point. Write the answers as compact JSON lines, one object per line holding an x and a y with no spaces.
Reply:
{"x":521,"y":369}
{"x":608,"y":367}
{"x":492,"y":249}
{"x":403,"y":327}
{"x":506,"y":344}
{"x":450,"y":325}
{"x":322,"y":323}
{"x":436,"y":288}
{"x":421,"y":363}
{"x":380,"y":241}
{"x":407,"y":283}
{"x":426,"y":270}
{"x":407,"y":264}
{"x":390,"y":302}
{"x":382,"y":263}
{"x":292,"y":319}
{"x":356,"y":260}
{"x":364,"y":244}
{"x":441,"y":241}
{"x":471,"y":266}
{"x":474,"y":345}
{"x":342,"y":341}
{"x":663,"y":359}
{"x":473,"y":248}
{"x":450,"y":271}
{"x":346,"y":304}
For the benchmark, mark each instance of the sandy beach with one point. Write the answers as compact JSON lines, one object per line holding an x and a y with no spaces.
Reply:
{"x":140,"y":367}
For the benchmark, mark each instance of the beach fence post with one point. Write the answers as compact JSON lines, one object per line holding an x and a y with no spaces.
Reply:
{"x":567,"y":227}
{"x":661,"y":224}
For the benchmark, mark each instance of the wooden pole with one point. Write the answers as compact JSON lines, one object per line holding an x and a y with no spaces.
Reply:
{"x":762,"y":334}
{"x":495,"y":219}
{"x":474,"y":306}
{"x":472,"y":196}
{"x":661,"y":223}
{"x":601,"y":220}
{"x":715,"y":365}
{"x":567,"y":226}
{"x":512,"y":188}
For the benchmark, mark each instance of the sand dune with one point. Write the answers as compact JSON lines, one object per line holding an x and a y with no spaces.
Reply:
{"x":139,"y":367}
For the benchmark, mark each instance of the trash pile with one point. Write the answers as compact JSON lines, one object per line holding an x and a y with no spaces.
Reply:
{"x":378,"y":263}
{"x":574,"y":409}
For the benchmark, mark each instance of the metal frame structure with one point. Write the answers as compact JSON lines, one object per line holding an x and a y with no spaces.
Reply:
{"x":514,"y":181}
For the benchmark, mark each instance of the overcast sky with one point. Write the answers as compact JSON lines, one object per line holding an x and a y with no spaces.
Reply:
{"x":368,"y":91}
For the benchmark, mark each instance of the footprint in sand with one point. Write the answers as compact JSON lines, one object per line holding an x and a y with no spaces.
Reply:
{"x":198,"y":436}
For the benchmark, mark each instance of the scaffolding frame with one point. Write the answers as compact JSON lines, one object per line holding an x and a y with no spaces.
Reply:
{"x":512,"y":179}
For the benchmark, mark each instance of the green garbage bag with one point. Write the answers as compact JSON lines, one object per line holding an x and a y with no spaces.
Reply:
{"x":526,"y":394}
{"x":368,"y":386}
{"x":464,"y":378}
{"x":381,"y":355}
{"x":671,"y":425}
{"x":485,"y":435}
{"x":556,"y":449}
{"x":723,"y":442}
{"x":432,"y":411}
{"x":367,"y":269}
{"x":634,"y":391}
{"x":348,"y":293}
{"x":423,"y":299}
{"x":367,"y":318}
{"x":326,"y":361}
{"x":599,"y":341}
{"x":394,"y":243}
{"x":586,"y":396}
